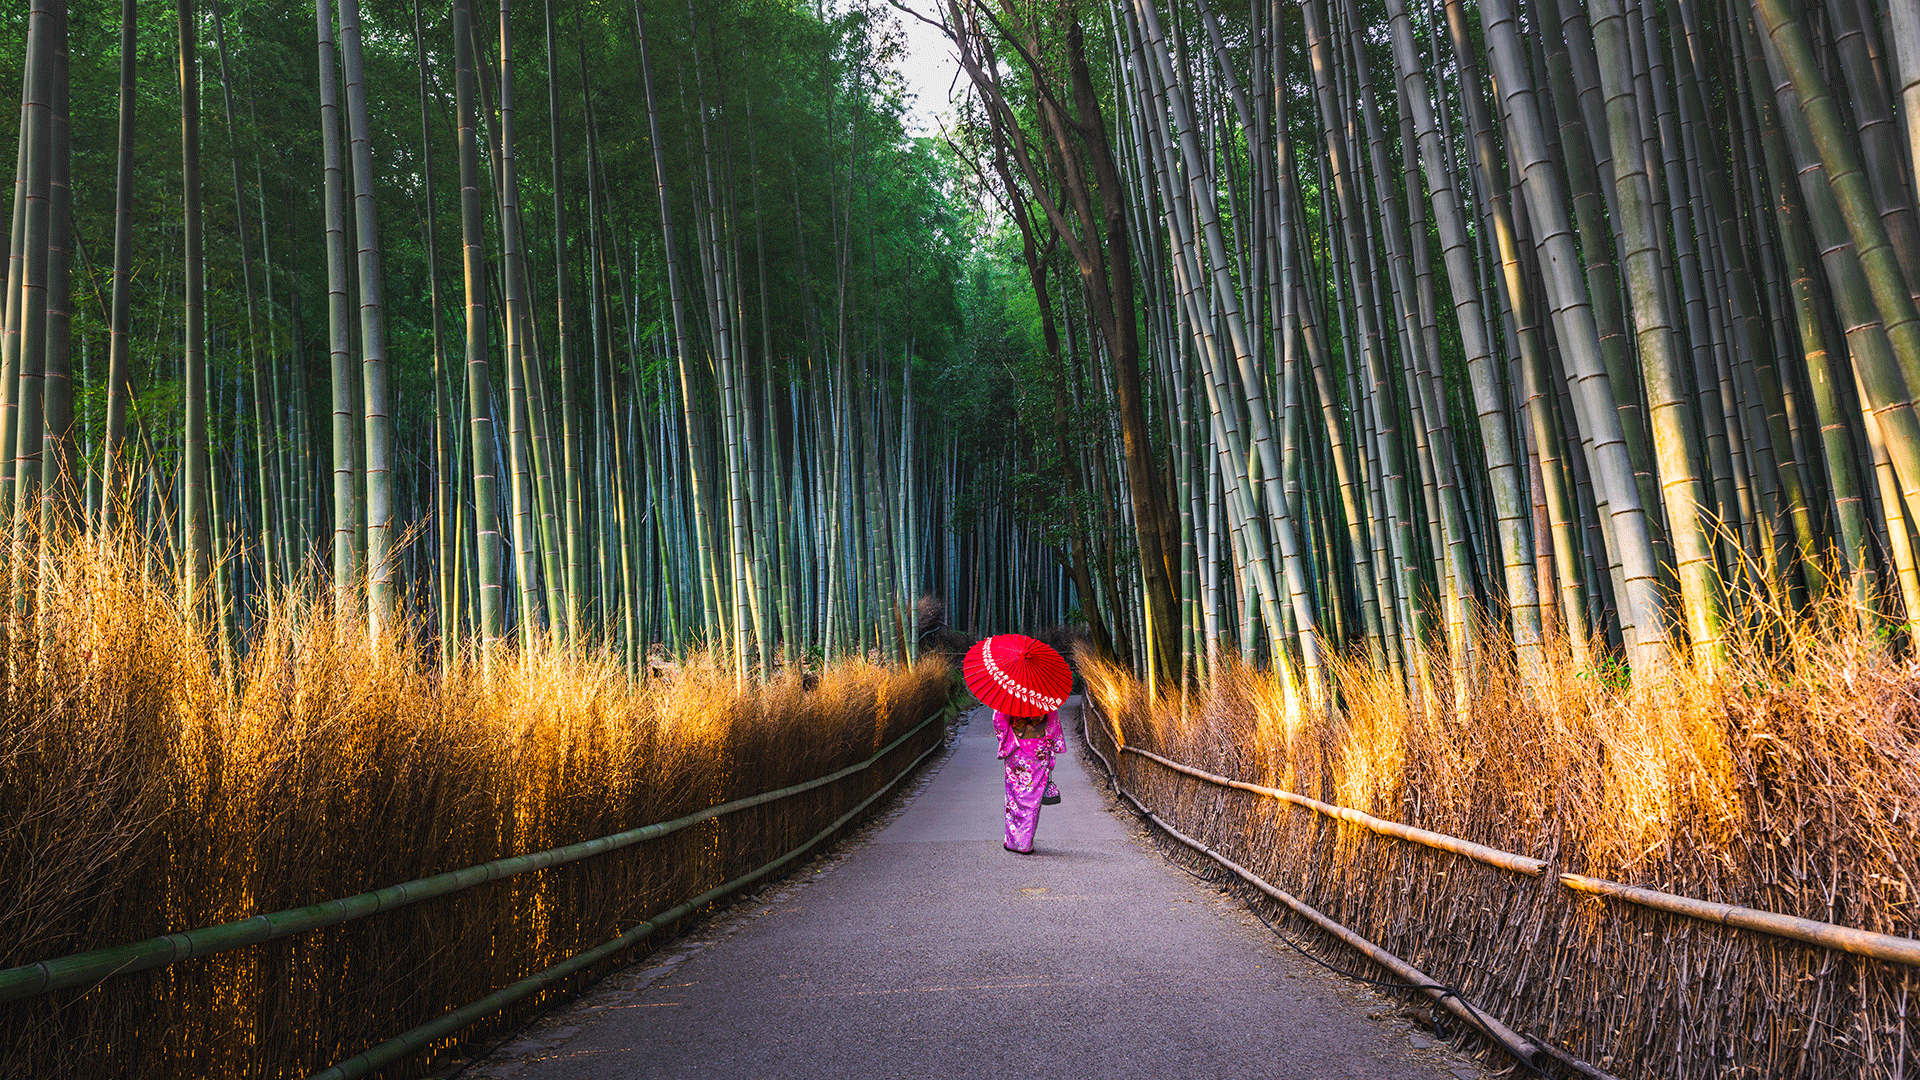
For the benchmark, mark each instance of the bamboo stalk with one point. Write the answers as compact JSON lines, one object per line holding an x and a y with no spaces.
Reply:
{"x":375,"y":409}
{"x":196,"y":490}
{"x":119,"y":371}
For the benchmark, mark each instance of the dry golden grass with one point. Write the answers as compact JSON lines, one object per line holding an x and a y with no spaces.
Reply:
{"x":144,"y":789}
{"x":1789,"y":781}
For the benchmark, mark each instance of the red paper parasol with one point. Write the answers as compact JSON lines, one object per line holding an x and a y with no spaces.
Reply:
{"x":1017,"y":675}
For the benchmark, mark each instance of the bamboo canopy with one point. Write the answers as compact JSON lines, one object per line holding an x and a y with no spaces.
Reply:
{"x":1531,"y":315}
{"x":668,"y":390}
{"x":1590,"y":325}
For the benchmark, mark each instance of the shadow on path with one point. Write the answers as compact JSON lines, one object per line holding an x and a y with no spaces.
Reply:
{"x":927,"y":951}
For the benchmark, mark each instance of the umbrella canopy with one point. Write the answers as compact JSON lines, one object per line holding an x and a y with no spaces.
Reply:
{"x":1017,"y":675}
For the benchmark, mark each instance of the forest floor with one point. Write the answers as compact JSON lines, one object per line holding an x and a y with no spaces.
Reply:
{"x":920,"y":948}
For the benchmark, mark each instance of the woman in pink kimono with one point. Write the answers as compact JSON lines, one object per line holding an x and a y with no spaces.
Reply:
{"x":1027,"y":745}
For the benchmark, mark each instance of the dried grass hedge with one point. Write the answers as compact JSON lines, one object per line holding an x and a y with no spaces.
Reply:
{"x":1790,"y":782}
{"x":145,"y":790}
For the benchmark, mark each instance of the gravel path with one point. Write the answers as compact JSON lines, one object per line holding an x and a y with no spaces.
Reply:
{"x":922,"y":949}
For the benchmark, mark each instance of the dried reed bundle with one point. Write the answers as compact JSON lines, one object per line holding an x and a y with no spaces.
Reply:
{"x":146,"y":787}
{"x":1788,"y":781}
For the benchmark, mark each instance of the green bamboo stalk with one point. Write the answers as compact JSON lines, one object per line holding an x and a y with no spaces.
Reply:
{"x":33,"y":105}
{"x":45,"y":28}
{"x":1841,"y":159}
{"x":1675,"y":444}
{"x":682,"y":345}
{"x":1533,"y":378}
{"x":1264,"y":442}
{"x":1490,"y":404}
{"x":1232,"y":405}
{"x":1433,"y":452}
{"x":521,"y":447}
{"x":1882,"y":374}
{"x":1642,"y":621}
{"x":445,"y":490}
{"x":1882,"y":159}
{"x":59,"y":488}
{"x":480,"y":429}
{"x":347,"y":566}
{"x":256,"y":368}
{"x":1593,"y":202}
{"x":196,"y":493}
{"x":113,"y":449}
{"x":570,"y":482}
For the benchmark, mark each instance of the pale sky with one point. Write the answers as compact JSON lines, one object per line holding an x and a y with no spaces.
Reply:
{"x":929,"y":68}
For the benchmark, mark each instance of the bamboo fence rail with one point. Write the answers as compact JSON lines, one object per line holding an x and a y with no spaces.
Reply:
{"x":1899,"y":950}
{"x":1506,"y":860}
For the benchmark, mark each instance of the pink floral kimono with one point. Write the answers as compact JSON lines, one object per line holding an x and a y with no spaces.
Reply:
{"x":1029,"y":771}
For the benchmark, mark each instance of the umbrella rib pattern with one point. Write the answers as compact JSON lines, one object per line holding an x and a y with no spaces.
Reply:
{"x":1027,"y":674}
{"x":1006,"y":683}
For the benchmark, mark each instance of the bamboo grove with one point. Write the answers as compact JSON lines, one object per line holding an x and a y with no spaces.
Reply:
{"x":1520,"y":324}
{"x":591,"y":320}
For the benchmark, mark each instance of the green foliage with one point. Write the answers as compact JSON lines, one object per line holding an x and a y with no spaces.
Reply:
{"x":804,"y":112}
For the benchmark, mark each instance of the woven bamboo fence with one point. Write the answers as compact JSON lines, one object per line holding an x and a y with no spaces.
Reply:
{"x":161,"y":800}
{"x":1755,"y":953}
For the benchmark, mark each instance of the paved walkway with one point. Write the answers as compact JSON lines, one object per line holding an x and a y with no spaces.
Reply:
{"x":924,"y":950}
